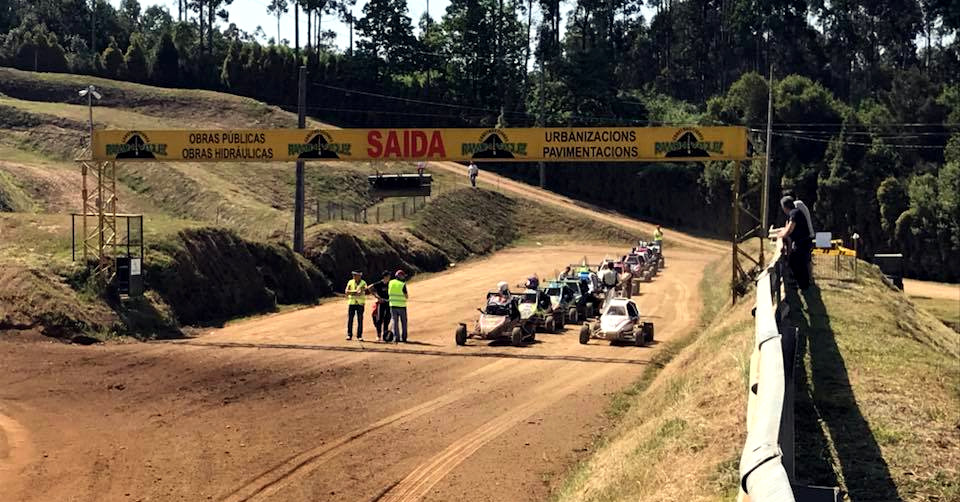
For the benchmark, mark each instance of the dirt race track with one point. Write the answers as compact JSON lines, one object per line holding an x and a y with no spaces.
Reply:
{"x":283,"y":408}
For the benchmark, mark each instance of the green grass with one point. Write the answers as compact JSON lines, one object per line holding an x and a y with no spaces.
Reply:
{"x":878,"y":389}
{"x":12,"y":195}
{"x":948,"y":311}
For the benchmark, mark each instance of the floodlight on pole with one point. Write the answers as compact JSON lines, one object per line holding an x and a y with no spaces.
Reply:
{"x":91,"y":93}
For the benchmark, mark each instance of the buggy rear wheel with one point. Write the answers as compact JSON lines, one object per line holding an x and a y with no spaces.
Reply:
{"x":639,"y":338}
{"x":550,"y":326}
{"x":516,"y":336}
{"x":461,"y":335}
{"x":584,"y":334}
{"x":572,"y":316}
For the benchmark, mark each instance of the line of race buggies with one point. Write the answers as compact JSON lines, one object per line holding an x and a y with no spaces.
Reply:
{"x":596,"y":296}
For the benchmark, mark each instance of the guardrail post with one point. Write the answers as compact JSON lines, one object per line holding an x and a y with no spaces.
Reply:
{"x":787,"y":436}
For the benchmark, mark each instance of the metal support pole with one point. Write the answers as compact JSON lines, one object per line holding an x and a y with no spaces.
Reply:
{"x":736,"y":231}
{"x":73,"y":237}
{"x":543,"y":167}
{"x":85,"y":196}
{"x":765,"y":201}
{"x":298,"y":203}
{"x":318,"y":211}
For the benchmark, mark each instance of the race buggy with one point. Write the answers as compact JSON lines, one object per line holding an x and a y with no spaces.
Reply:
{"x":586,"y":304}
{"x":537,"y":307}
{"x":499,"y":322}
{"x":620,"y":322}
{"x":657,"y":251}
{"x":562,"y":299}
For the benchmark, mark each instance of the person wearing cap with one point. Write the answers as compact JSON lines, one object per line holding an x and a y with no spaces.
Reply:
{"x":356,"y":298}
{"x":398,"y":296}
{"x":797,"y":232}
{"x":658,"y":237}
{"x":381,"y":314}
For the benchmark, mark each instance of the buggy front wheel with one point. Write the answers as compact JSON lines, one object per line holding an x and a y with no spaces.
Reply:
{"x":461,"y":335}
{"x":584,"y":334}
{"x":516,"y":337}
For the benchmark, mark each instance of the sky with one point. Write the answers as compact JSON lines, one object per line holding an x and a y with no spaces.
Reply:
{"x":248,"y":14}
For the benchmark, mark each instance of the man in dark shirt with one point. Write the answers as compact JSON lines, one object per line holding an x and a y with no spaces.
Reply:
{"x":798,"y":231}
{"x":381,"y":315}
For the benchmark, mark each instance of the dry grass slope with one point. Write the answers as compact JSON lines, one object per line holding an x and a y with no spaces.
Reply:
{"x":873,"y":410}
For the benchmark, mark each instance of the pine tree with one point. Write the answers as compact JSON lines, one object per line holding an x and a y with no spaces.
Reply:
{"x":135,"y":60}
{"x":165,"y":67}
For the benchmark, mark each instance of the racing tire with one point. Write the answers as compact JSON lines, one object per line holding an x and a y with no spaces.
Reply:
{"x":572,"y":316}
{"x":516,"y":337}
{"x":461,"y":335}
{"x":647,"y":329}
{"x":549,"y":326}
{"x":388,"y":336}
{"x":663,"y":262}
{"x":588,"y":311}
{"x":584,"y":334}
{"x":640,"y":338}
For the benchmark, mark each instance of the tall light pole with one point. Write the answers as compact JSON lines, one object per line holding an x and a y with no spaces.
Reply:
{"x":91,"y":93}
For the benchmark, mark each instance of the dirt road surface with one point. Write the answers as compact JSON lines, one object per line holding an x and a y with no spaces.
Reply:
{"x":928,"y":289}
{"x":281,"y":407}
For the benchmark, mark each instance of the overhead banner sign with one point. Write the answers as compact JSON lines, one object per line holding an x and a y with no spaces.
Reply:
{"x":600,"y":144}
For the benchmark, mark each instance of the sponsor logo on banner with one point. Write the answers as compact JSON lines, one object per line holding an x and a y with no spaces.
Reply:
{"x":136,"y":145}
{"x":494,"y":144}
{"x":688,"y":142}
{"x":318,"y":145}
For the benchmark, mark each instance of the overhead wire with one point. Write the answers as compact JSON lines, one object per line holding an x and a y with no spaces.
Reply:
{"x":856,"y":143}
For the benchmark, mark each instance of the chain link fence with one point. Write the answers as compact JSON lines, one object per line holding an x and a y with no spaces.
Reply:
{"x":384,"y":212}
{"x":834,"y":267}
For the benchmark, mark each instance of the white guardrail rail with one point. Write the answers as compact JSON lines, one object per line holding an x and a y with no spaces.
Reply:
{"x":767,"y":461}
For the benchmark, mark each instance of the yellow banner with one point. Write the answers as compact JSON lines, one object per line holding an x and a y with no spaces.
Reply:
{"x":584,"y":144}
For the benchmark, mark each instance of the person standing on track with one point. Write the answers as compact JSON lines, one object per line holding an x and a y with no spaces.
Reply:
{"x":473,"y":171}
{"x":398,"y":296}
{"x":658,"y":237}
{"x":381,"y":314}
{"x":356,"y":298}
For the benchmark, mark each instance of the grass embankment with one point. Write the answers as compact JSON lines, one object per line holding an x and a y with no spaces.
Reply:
{"x":877,"y":394}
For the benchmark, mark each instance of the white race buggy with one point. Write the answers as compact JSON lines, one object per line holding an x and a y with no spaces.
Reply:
{"x":619,"y":322}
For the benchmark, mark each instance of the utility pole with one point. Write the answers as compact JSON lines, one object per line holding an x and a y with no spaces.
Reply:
{"x":91,"y":93}
{"x":93,"y":32}
{"x":542,"y":122}
{"x":301,"y":123}
{"x":765,"y":202}
{"x":296,"y":30}
{"x":350,"y":51}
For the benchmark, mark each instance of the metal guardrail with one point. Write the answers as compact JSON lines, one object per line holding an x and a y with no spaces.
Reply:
{"x":763,"y":476}
{"x":767,"y":461}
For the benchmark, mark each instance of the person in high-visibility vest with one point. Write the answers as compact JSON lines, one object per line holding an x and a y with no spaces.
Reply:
{"x":356,"y":299}
{"x":398,"y":296}
{"x":658,"y":237}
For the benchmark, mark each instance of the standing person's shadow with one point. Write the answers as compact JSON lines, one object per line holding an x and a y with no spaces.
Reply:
{"x":826,"y":404}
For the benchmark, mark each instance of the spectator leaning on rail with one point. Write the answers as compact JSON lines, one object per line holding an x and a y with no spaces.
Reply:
{"x":356,"y":298}
{"x":800,"y":244}
{"x":397,"y":291}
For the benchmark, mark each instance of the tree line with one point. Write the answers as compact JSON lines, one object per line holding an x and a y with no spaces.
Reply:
{"x":866,"y":96}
